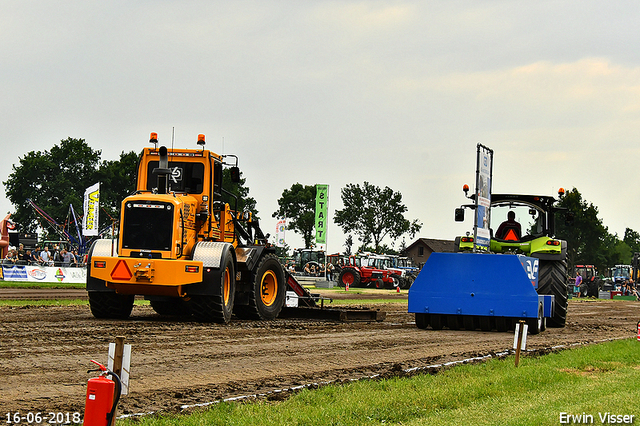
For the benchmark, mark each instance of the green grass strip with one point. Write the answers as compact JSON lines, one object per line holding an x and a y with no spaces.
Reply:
{"x":587,"y":381}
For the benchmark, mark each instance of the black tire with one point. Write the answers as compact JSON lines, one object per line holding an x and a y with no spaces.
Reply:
{"x":407,"y":281}
{"x":379,"y":284}
{"x":502,"y":324}
{"x":536,"y":325}
{"x":267,"y":295}
{"x":593,"y":288}
{"x":219,"y":306}
{"x":454,"y":322}
{"x":469,"y":322}
{"x":110,"y":305}
{"x":350,"y":275}
{"x":173,"y":307}
{"x":552,"y":280}
{"x":422,"y":321}
{"x":485,"y":323}
{"x":436,"y":322}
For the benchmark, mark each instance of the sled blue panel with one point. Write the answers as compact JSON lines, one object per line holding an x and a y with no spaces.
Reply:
{"x":476,"y":284}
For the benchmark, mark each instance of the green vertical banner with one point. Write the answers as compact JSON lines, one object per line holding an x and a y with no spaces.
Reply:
{"x":322,"y":196}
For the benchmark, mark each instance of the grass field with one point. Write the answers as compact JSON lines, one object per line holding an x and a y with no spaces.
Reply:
{"x":587,"y":382}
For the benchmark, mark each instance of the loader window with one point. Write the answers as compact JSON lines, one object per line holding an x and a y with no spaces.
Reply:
{"x":185,"y":177}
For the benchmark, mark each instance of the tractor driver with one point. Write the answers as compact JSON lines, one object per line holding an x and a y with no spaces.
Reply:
{"x":509,"y":229}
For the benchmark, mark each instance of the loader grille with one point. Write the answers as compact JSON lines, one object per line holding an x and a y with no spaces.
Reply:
{"x":147,"y":226}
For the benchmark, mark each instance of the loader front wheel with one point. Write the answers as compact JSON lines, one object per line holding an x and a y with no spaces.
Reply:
{"x":552,"y":280}
{"x":110,"y":305}
{"x":219,"y":306}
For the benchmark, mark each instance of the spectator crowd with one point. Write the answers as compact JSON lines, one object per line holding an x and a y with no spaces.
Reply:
{"x":56,"y":256}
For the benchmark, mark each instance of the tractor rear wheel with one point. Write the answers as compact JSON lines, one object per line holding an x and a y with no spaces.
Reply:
{"x":110,"y":305}
{"x":349,"y":276}
{"x":552,"y":280}
{"x":267,"y":291}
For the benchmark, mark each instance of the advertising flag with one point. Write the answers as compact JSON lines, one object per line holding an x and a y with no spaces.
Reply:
{"x":90,"y":224}
{"x":280,"y":226}
{"x":322,"y":196}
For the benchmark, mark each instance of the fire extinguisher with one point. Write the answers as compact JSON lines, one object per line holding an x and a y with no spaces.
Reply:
{"x":103,"y":395}
{"x":638,"y":331}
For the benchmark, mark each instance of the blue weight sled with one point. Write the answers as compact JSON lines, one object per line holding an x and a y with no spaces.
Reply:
{"x":479,"y":290}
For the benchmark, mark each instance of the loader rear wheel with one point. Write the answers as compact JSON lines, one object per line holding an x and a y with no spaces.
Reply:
{"x":349,"y":276}
{"x":422,"y":320}
{"x":552,"y":280}
{"x":267,"y":291}
{"x":219,"y":306}
{"x":110,"y":305}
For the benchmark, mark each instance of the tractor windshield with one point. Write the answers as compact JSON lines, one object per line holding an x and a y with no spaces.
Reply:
{"x":531,"y":220}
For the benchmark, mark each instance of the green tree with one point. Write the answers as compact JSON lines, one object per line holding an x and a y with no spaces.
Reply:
{"x":57,"y":178}
{"x":588,"y":240}
{"x":241,"y":193}
{"x":373,"y":213}
{"x":117,"y":181}
{"x":632,"y":238}
{"x":298,"y":205}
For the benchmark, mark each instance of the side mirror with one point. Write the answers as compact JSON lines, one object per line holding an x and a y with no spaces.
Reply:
{"x":460,"y":215}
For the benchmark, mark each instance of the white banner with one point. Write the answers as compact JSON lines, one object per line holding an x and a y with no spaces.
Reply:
{"x":90,"y":222}
{"x":280,"y":227}
{"x":46,"y":274}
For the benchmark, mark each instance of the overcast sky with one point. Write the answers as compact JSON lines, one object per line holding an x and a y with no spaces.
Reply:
{"x":396,"y":93}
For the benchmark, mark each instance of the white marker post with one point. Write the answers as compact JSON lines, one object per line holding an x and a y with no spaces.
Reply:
{"x":520,"y":339}
{"x":119,"y":362}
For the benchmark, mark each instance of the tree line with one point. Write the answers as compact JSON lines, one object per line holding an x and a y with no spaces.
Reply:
{"x":57,"y":178}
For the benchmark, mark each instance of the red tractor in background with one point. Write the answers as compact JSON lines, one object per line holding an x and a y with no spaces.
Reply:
{"x":356,"y":272}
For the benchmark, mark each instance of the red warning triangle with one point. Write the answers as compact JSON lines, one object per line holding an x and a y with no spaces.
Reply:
{"x":121,"y":271}
{"x":511,"y":236}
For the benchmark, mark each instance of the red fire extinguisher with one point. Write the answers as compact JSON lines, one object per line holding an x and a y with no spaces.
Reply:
{"x":638,"y":331}
{"x":102,"y":397}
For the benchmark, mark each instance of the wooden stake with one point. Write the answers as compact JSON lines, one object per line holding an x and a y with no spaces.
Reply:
{"x":519,"y":345}
{"x":117,"y":366}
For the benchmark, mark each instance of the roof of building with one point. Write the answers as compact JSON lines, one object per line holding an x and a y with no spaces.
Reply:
{"x":438,"y":246}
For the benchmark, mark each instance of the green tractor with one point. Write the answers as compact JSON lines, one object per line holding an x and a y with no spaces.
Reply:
{"x":528,"y":228}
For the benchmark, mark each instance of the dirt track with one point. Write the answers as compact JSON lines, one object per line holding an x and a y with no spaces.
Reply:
{"x":45,"y":352}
